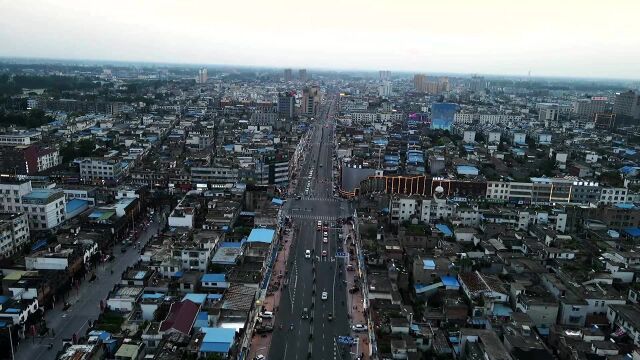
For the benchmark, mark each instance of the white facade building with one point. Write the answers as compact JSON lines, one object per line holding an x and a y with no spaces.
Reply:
{"x":14,"y":232}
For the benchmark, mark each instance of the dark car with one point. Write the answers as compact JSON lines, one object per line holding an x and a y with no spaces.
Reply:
{"x":354,"y":289}
{"x":264,"y":329}
{"x":329,"y":316}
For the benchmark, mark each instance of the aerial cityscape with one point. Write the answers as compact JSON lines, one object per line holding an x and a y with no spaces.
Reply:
{"x":186,"y":188}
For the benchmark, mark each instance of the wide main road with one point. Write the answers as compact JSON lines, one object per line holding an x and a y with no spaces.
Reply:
{"x":308,"y":278}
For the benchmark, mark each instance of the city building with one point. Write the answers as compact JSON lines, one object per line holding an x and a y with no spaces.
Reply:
{"x":421,"y":83}
{"x":14,"y":232}
{"x":385,"y":89}
{"x":302,"y":75}
{"x":101,"y":169}
{"x":588,"y":108}
{"x":384,"y":75}
{"x":202,"y":76}
{"x":20,"y":138}
{"x":442,"y":115}
{"x":288,"y":75}
{"x":45,"y":208}
{"x":627,"y":104}
{"x":27,"y":159}
{"x":548,"y":112}
{"x":286,"y":105}
{"x":310,"y":100}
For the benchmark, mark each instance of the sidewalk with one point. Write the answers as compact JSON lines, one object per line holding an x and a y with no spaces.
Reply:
{"x":355,"y":300}
{"x":260,"y":343}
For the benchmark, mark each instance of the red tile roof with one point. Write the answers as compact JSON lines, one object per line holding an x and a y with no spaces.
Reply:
{"x":181,"y":317}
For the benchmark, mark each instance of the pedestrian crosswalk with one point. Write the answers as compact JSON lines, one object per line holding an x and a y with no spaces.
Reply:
{"x":312,"y":217}
{"x":328,"y":199}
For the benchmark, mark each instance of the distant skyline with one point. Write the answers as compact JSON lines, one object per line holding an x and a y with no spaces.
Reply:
{"x":565,"y":38}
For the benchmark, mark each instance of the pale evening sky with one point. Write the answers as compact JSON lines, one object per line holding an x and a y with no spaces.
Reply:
{"x":551,"y":38}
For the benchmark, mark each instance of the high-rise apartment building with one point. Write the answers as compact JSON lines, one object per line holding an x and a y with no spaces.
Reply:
{"x":302,"y":75}
{"x":627,"y":105}
{"x":421,"y":83}
{"x":286,"y":105}
{"x":202,"y":76}
{"x":385,"y":89}
{"x":288,"y":75}
{"x":477,"y":83}
{"x":587,"y":108}
{"x":310,"y":100}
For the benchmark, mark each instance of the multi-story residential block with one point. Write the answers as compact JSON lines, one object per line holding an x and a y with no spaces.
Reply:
{"x":45,"y":207}
{"x":286,"y":105}
{"x":20,"y":138}
{"x":627,"y":104}
{"x":215,"y":175}
{"x":101,"y":169}
{"x":587,"y":108}
{"x":14,"y":232}
{"x":27,"y":159}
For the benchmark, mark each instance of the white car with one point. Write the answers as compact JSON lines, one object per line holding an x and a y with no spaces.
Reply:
{"x":359,"y":328}
{"x":325,"y":240}
{"x":326,"y":234}
{"x":307,"y":254}
{"x":259,"y":357}
{"x":266,"y":315}
{"x":324,"y":295}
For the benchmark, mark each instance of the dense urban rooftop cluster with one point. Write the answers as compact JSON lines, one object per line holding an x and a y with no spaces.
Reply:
{"x":497,"y":218}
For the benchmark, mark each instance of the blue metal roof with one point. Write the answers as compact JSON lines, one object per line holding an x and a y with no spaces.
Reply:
{"x":632,"y":231}
{"x":40,"y":194}
{"x":214,"y":277}
{"x":444,"y":229}
{"x":261,"y":235}
{"x":74,"y":205}
{"x":428,"y":264}
{"x":217,"y":339}
{"x":196,"y":298}
{"x":450,"y":281}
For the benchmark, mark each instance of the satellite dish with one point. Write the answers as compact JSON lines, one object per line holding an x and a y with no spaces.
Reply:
{"x":439,"y":191}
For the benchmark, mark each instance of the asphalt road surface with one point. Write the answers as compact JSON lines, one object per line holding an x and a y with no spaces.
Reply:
{"x":307,"y":278}
{"x":85,"y":302}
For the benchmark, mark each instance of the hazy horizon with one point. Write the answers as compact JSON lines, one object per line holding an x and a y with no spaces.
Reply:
{"x":568,"y":39}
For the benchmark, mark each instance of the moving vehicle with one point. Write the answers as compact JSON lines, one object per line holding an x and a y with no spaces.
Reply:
{"x":307,"y":254}
{"x":324,"y":295}
{"x":325,"y":234}
{"x":359,"y":328}
{"x":319,"y":226}
{"x":353,"y":289}
{"x":325,"y":240}
{"x":350,"y":267}
{"x":259,"y":357}
{"x":324,"y":252}
{"x":305,"y":313}
{"x":329,"y":316}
